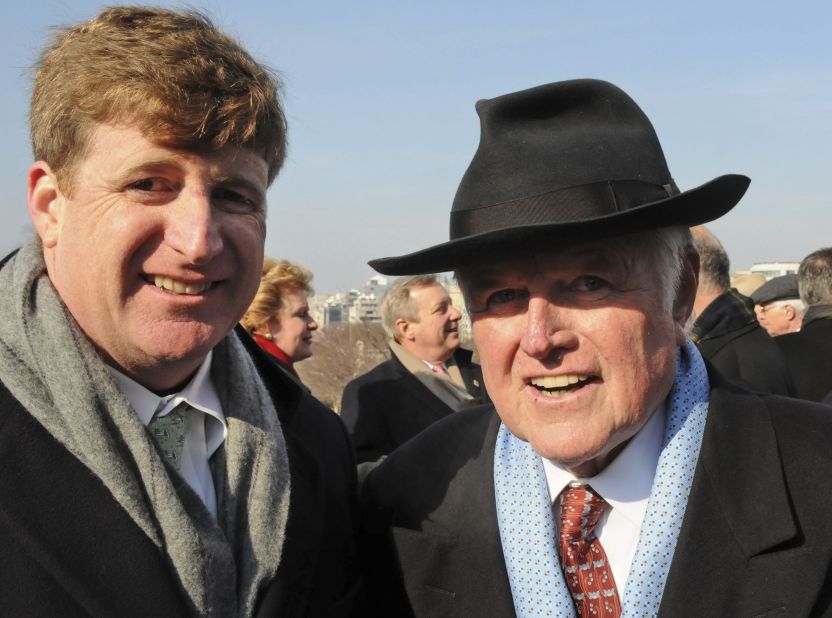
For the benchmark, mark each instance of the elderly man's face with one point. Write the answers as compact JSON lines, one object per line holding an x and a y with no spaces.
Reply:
{"x":576,"y":347}
{"x":776,"y":319}
{"x":158,"y":252}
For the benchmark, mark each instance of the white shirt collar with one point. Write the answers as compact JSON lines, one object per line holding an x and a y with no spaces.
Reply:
{"x":626,"y":482}
{"x":199,"y":393}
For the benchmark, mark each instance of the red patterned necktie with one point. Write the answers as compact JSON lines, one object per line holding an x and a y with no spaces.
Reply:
{"x":582,"y":558}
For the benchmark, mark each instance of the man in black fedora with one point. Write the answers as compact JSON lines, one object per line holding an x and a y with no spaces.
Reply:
{"x":617,"y":471}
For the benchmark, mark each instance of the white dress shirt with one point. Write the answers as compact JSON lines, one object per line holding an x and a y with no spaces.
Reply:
{"x":625,"y":484}
{"x":204,"y":433}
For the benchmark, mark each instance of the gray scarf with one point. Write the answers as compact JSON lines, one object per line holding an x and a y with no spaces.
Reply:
{"x":51,"y":368}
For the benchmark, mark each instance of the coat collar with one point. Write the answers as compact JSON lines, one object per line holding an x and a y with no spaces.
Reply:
{"x":741,"y":545}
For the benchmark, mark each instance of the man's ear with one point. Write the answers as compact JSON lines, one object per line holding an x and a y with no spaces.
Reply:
{"x":790,"y":312}
{"x":685,"y":297}
{"x":45,"y":203}
{"x":403,"y":328}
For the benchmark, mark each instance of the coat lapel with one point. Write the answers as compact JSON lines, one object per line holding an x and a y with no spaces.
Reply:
{"x":740,"y":545}
{"x":293,"y":585}
{"x":445,"y":559}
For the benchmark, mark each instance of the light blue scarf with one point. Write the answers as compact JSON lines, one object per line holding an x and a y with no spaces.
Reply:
{"x":527,"y":528}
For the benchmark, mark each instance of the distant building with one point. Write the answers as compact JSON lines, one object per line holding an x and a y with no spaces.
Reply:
{"x":333,"y":313}
{"x":775,"y":269}
{"x":356,"y":305}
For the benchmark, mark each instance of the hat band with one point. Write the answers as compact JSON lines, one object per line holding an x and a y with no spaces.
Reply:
{"x":564,"y":206}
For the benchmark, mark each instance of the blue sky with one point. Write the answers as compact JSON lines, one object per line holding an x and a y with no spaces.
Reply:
{"x":380,"y":99}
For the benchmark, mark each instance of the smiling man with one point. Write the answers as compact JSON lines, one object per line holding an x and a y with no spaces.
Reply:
{"x":427,"y":377}
{"x":618,"y":473}
{"x":155,"y":461}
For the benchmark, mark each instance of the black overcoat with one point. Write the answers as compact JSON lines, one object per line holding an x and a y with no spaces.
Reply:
{"x":756,"y":539}
{"x":388,"y":405}
{"x":808,"y":353}
{"x":67,"y":548}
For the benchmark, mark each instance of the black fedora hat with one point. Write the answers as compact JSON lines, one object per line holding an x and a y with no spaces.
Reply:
{"x":563,"y":163}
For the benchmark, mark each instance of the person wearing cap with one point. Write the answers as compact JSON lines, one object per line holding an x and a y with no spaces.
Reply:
{"x":725,"y":327}
{"x":618,"y":471}
{"x":809,"y":352}
{"x":778,"y":306}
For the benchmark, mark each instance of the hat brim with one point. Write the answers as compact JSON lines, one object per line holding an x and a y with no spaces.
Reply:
{"x":694,"y":207}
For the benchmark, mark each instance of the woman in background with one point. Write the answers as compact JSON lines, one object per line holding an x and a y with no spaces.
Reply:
{"x":278,"y":317}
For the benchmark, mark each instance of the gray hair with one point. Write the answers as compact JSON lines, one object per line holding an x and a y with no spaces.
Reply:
{"x":397,"y":303}
{"x":795,"y":303}
{"x":814,"y":278}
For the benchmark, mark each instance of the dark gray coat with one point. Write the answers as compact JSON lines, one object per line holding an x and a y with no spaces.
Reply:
{"x":756,"y":538}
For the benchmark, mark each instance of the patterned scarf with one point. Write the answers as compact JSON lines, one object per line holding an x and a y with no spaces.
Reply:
{"x":527,"y":527}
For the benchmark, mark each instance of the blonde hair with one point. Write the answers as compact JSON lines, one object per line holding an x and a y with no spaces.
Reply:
{"x":173,"y":74}
{"x":280,"y":277}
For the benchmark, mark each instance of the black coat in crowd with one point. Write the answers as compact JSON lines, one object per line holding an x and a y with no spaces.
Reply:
{"x":808,"y":353}
{"x":728,"y":335}
{"x":388,"y":405}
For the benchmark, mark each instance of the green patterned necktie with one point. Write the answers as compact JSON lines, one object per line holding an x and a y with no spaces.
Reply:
{"x":169,"y":433}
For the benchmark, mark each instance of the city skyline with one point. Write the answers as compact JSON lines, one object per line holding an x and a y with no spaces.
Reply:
{"x":380,"y":102}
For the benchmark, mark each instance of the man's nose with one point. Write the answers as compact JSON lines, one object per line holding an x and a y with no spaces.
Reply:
{"x":193,"y":229}
{"x":545,"y":329}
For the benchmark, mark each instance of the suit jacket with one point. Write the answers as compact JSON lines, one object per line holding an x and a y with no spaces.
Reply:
{"x":808,"y":353}
{"x":68,"y":548}
{"x":388,"y":405}
{"x":756,"y":539}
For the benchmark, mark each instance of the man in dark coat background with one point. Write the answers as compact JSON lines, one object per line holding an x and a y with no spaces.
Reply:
{"x":617,"y":471}
{"x":726,"y":327}
{"x":428,"y":376}
{"x":809,"y":351}
{"x":154,"y":461}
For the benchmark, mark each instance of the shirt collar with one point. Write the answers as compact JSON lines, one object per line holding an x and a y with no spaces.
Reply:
{"x":626,"y":482}
{"x":198,"y":392}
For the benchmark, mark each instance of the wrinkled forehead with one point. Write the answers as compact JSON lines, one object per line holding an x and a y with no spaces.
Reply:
{"x":593,"y":256}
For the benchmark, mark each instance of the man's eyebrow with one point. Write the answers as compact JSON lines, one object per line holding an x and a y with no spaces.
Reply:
{"x":481,"y":279}
{"x":234,"y":180}
{"x":146,"y":167}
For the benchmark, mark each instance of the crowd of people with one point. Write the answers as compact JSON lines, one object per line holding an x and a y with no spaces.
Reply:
{"x":636,"y":436}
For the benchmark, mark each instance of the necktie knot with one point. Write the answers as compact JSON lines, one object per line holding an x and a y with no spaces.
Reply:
{"x":581,"y":509}
{"x":439,"y":368}
{"x":169,"y":433}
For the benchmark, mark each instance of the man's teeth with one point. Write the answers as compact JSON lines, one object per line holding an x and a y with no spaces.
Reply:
{"x":180,"y":287}
{"x":547,"y":384}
